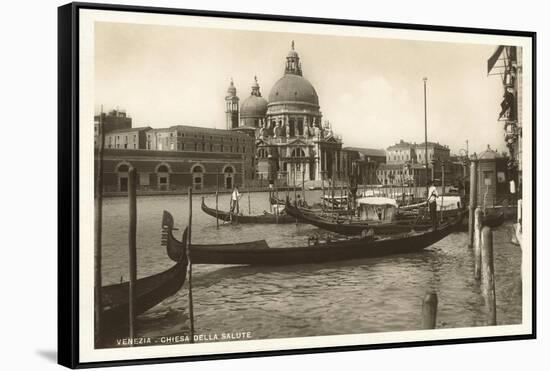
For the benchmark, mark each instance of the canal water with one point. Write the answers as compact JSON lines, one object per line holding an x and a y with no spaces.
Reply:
{"x":360,"y":296}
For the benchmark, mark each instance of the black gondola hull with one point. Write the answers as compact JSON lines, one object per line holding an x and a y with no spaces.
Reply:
{"x":247,"y":219}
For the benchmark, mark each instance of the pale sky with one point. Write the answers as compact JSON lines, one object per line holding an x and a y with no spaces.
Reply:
{"x":371,"y":90}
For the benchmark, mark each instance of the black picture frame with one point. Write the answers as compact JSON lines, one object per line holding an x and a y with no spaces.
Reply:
{"x":69,"y":173}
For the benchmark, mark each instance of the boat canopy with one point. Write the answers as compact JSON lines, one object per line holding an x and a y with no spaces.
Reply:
{"x":379,"y":209}
{"x":377,"y":201}
{"x":449,"y":203}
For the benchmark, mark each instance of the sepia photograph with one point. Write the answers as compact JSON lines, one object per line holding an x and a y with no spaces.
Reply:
{"x":252,"y":185}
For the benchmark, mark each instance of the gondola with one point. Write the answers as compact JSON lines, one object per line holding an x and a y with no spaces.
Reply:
{"x":352,"y":228}
{"x":150,"y":290}
{"x":315,"y":208}
{"x":329,"y":250}
{"x":267,"y":218}
{"x":176,"y":248}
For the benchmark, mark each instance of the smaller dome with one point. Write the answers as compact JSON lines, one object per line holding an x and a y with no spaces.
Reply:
{"x":489,"y":154}
{"x":253,"y":106}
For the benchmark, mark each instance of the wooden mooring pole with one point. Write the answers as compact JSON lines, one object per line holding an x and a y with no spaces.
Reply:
{"x":304,"y":185}
{"x":277,"y":200}
{"x":429,"y":311}
{"x":248,"y":199}
{"x":132,"y":254}
{"x":98,"y":305}
{"x":217,"y":193}
{"x":477,"y":244}
{"x":473,"y":200}
{"x":190,"y":269}
{"x":488,"y":275}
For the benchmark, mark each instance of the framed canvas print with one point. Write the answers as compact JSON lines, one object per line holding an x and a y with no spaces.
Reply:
{"x":237,"y":185}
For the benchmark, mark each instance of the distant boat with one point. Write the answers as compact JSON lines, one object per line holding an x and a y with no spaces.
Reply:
{"x":318,"y":251}
{"x":267,"y":218}
{"x":356,"y":227}
{"x":150,"y":290}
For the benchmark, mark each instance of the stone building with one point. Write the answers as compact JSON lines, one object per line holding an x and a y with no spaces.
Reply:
{"x":204,"y":140}
{"x":172,"y":170}
{"x":364,"y":163}
{"x":130,"y":138}
{"x":493,"y":178}
{"x":406,"y":164}
{"x":292,"y":142}
{"x":507,"y":63}
{"x":113,"y":120}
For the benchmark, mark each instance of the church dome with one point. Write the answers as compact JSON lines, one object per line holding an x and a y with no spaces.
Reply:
{"x":489,"y":154}
{"x":253,"y":106}
{"x":293,"y":88}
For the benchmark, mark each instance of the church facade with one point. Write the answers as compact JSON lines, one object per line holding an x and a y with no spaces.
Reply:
{"x":293,"y":143}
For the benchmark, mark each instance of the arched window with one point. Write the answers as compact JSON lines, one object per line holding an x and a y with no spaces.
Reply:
{"x":122,"y":173}
{"x":228,"y":174}
{"x":197,"y":173}
{"x":163,"y":177}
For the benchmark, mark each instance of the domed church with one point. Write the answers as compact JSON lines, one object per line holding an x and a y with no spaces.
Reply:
{"x":292,"y":143}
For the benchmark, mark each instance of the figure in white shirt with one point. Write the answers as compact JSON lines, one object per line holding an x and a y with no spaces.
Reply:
{"x":432,"y":203}
{"x":234,"y":203}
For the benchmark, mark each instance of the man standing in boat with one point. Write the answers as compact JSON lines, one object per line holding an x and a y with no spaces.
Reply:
{"x":234,"y":202}
{"x":432,"y":203}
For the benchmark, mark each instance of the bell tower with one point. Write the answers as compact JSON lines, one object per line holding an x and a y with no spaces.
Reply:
{"x":231,"y":107}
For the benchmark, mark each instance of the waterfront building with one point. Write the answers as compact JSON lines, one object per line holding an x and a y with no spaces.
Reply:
{"x":172,"y":170}
{"x":507,"y":62}
{"x":204,"y":140}
{"x":493,"y":178}
{"x":113,"y":120}
{"x":364,"y":163}
{"x":406,"y":164}
{"x":129,"y":138}
{"x":292,"y":141}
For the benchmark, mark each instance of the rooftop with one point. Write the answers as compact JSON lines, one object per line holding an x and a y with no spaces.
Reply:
{"x":373,"y":152}
{"x":200,"y":129}
{"x":129,"y":130}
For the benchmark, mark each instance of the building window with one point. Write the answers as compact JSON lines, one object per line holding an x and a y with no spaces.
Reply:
{"x":198,"y":177}
{"x":228,"y":174}
{"x":163,"y":177}
{"x":122,"y":172}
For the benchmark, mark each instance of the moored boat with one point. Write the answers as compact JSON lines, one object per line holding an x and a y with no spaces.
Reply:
{"x":267,"y":218}
{"x":335,"y":249}
{"x":355,"y":227}
{"x":149,"y":290}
